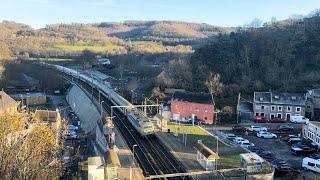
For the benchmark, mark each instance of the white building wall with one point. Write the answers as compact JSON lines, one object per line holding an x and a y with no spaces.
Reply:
{"x":312,"y":131}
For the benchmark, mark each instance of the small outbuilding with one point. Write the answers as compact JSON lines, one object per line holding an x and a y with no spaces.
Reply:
{"x":206,"y":157}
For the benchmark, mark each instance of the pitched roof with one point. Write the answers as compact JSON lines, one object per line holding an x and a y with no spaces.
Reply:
{"x":26,"y":80}
{"x":6,"y":101}
{"x":203,"y":98}
{"x":314,"y":92}
{"x":280,"y":98}
{"x":207,"y":152}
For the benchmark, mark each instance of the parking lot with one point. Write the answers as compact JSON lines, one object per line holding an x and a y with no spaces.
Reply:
{"x":277,"y":146}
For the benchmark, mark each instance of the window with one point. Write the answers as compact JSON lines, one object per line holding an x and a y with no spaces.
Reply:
{"x":205,"y":118}
{"x":262,"y":114}
{"x":311,"y":164}
{"x":288,"y":115}
{"x":289,"y":108}
{"x":262,"y":107}
{"x":279,"y":108}
{"x":273,"y":108}
{"x":257,"y":114}
{"x":271,"y":116}
{"x":205,"y":110}
{"x":279,"y":115}
{"x":298,"y":109}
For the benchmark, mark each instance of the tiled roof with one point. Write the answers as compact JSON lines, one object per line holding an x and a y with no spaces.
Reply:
{"x":6,"y":101}
{"x":280,"y":98}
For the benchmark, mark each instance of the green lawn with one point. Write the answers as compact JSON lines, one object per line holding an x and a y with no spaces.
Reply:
{"x":195,"y":133}
{"x":231,"y":161}
{"x":81,"y":47}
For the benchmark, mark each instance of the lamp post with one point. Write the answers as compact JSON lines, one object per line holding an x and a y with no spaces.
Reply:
{"x":101,"y":108}
{"x":133,"y":154}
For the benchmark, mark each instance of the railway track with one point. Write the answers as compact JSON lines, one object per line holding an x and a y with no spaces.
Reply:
{"x":153,"y":157}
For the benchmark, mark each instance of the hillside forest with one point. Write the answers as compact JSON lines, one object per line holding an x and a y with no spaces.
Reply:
{"x":278,"y":56}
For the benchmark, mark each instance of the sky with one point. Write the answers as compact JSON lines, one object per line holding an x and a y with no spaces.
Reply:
{"x":39,"y":13}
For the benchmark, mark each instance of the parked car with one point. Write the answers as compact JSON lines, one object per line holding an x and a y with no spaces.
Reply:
{"x":230,"y":137}
{"x":315,"y":155}
{"x":257,"y":128}
{"x":298,"y":119}
{"x":301,"y":149}
{"x":292,"y":141}
{"x":238,"y":140}
{"x":254,"y":148}
{"x":72,"y":127}
{"x":311,"y":164}
{"x":246,"y":144}
{"x":71,"y":134}
{"x":260,"y":119}
{"x":285,"y":128}
{"x":267,"y":155}
{"x":277,"y":120}
{"x":281,"y":167}
{"x":265,"y":134}
{"x":238,"y":128}
{"x":289,"y":136}
{"x":60,"y":104}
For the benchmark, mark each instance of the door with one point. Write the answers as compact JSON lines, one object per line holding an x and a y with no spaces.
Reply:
{"x":288,"y":117}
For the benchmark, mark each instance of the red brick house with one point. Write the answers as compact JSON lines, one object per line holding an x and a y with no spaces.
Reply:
{"x":186,"y":105}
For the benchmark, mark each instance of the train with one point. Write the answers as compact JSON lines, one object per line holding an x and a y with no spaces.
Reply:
{"x":135,"y":116}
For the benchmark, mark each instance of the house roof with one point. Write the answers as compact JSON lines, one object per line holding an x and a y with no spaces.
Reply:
{"x":314,"y":92}
{"x":6,"y":101}
{"x":207,"y":152}
{"x":26,"y":80}
{"x":202,"y":98}
{"x":280,"y":98}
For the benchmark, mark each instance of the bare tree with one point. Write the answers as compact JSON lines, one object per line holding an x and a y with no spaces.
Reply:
{"x":214,"y":85}
{"x":28,"y":153}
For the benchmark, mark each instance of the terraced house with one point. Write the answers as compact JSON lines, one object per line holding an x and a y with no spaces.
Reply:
{"x":278,"y":105}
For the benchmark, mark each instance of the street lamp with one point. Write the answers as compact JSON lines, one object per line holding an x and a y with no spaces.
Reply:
{"x":101,"y":108}
{"x":133,"y":154}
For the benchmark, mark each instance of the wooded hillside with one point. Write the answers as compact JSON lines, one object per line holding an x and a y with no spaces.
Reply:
{"x":283,"y":56}
{"x":168,"y":32}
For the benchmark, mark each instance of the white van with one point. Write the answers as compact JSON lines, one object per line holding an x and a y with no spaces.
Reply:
{"x":311,"y":164}
{"x":298,"y":119}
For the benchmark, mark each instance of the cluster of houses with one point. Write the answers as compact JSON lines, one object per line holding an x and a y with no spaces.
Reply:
{"x":272,"y":105}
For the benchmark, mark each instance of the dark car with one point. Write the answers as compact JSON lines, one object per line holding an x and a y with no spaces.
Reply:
{"x":238,"y":128}
{"x":289,"y":136}
{"x":60,"y":104}
{"x":315,"y":155}
{"x":267,"y":155}
{"x":276,"y":120}
{"x":254,"y":149}
{"x":302,"y":149}
{"x":282,"y":169}
{"x":292,"y":141}
{"x":285,"y":128}
{"x":260,"y":119}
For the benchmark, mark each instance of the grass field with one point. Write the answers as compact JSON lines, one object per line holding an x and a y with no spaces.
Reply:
{"x":195,"y":133}
{"x":94,"y":48}
{"x":231,"y":161}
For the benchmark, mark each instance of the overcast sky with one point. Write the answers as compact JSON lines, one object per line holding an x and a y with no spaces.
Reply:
{"x":38,"y":13}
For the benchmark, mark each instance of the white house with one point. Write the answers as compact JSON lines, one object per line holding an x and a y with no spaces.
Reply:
{"x":311,"y":131}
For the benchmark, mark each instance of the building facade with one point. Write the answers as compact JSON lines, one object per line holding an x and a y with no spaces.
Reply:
{"x":192,"y":105}
{"x":313,"y":104}
{"x":311,"y":131}
{"x":278,"y":105}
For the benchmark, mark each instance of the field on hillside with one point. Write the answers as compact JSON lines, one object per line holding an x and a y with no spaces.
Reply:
{"x":80,"y":48}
